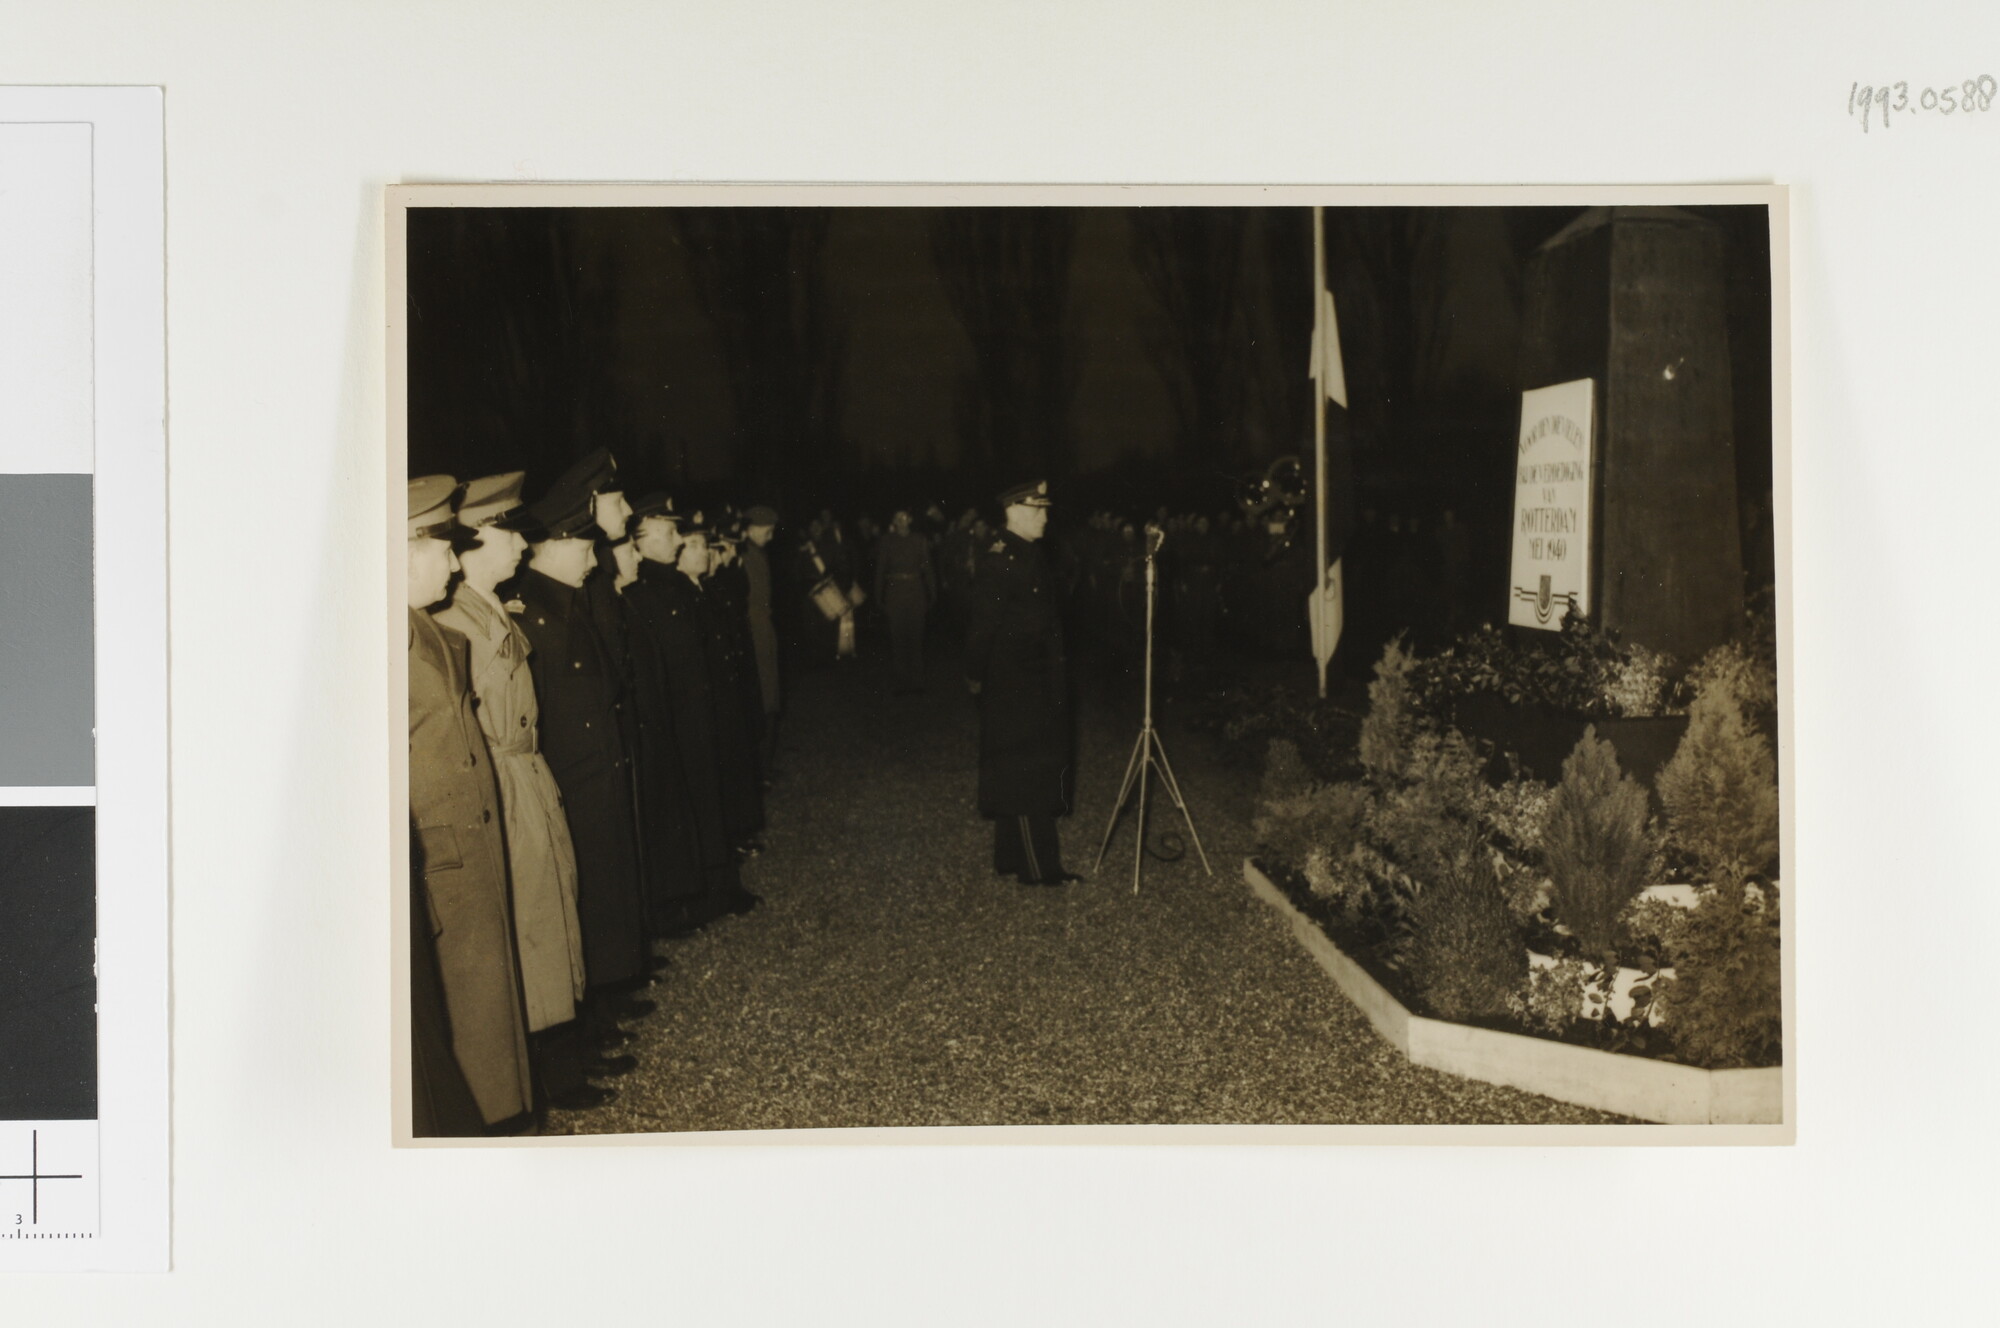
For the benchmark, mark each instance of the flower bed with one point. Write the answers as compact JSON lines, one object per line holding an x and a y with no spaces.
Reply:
{"x":1649,"y":1090}
{"x":1474,"y":895}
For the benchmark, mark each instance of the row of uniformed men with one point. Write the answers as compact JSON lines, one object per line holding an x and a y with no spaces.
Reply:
{"x":585,"y":774}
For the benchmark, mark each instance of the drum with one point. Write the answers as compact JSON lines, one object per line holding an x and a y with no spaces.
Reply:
{"x":830,"y":601}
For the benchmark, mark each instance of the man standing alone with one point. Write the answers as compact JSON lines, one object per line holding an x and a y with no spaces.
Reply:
{"x":1015,"y":665}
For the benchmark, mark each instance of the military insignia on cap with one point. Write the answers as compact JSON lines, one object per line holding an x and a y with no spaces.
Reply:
{"x":596,"y":473}
{"x":564,"y":512}
{"x":1034,"y":493}
{"x":494,"y":500}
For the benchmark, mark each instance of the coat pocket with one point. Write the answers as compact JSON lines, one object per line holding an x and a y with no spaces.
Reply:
{"x":441,"y":851}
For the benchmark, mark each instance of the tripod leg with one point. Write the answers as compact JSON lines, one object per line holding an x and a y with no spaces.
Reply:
{"x":1174,"y":790}
{"x":1139,"y":845}
{"x":1124,"y":791}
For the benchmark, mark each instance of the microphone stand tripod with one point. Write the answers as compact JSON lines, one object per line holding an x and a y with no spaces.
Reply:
{"x":1148,"y":752}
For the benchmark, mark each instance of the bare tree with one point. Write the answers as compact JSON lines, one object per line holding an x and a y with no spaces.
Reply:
{"x":1006,"y":275}
{"x":1285,"y":237}
{"x":760,"y":277}
{"x":1191,"y":260}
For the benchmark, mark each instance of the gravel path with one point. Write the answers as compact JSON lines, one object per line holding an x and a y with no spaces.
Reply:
{"x":891,"y":979}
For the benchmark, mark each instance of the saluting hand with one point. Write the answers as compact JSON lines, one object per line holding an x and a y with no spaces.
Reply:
{"x":972,"y":685}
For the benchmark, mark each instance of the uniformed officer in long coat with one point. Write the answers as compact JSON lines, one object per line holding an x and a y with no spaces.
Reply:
{"x":726,"y":602}
{"x":541,"y":860}
{"x":596,"y":475}
{"x":577,"y":685}
{"x":678,"y":711}
{"x":1015,"y":664}
{"x":455,"y":811}
{"x":672,"y":826}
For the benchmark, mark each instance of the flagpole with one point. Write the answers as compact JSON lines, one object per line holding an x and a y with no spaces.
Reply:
{"x":1319,"y":422}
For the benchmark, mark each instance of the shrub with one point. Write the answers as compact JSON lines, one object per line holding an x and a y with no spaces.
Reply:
{"x":1465,"y":955}
{"x":1311,"y":827}
{"x":1387,"y":730}
{"x":1581,"y":670}
{"x":1515,"y":812}
{"x":1744,"y":676}
{"x":1721,"y":791}
{"x":1723,"y":1004}
{"x":1651,"y":932}
{"x":1595,"y":843}
{"x":1285,"y":773}
{"x":1322,"y":731}
{"x":1335,"y":871}
{"x":1553,"y":998}
{"x":1422,"y":819}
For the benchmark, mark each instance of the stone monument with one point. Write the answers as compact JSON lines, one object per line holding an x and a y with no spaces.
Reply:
{"x":1633,"y":301}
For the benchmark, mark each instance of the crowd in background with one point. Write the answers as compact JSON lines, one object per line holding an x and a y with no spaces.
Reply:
{"x":1226,"y":582}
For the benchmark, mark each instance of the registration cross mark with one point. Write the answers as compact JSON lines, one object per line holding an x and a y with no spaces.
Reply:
{"x":36,"y":1176}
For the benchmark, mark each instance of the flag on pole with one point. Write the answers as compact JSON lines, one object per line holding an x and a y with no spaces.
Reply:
{"x":1327,"y":369}
{"x":1333,"y":481}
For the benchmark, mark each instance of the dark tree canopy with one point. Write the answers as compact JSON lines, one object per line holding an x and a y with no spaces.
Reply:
{"x":1006,"y":273}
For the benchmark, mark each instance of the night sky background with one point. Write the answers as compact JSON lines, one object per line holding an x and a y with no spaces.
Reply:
{"x":861,"y":358}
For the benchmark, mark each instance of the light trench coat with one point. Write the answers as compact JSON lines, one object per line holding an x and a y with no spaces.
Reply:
{"x":454,"y":809}
{"x":539,"y":853}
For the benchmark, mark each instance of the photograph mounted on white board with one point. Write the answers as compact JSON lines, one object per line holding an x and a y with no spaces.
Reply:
{"x":1213,"y":657}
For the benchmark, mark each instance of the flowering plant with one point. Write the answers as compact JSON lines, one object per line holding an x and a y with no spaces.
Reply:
{"x":1581,"y":670}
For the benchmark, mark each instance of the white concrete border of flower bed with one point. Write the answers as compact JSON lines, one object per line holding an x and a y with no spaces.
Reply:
{"x":1634,"y":1086}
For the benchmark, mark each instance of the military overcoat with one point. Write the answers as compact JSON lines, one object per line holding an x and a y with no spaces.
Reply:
{"x":763,"y":631}
{"x":540,"y":858}
{"x":455,"y":808}
{"x":725,"y":598}
{"x":1014,"y":651}
{"x":577,"y":686}
{"x":688,"y":850}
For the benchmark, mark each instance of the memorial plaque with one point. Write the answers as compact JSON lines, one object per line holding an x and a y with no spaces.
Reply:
{"x":1552,"y":488}
{"x":1636,"y":300}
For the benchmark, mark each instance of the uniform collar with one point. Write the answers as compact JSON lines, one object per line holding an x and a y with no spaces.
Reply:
{"x":561,"y":590}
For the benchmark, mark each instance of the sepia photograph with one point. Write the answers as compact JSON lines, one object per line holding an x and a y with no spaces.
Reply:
{"x":890,"y":657}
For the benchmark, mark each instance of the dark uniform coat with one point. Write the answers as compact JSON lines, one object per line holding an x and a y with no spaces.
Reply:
{"x":679,"y":709}
{"x":577,"y":686}
{"x":680,"y":802}
{"x":726,"y":597}
{"x":455,"y":808}
{"x":708,"y":709}
{"x":763,"y":631}
{"x":1014,"y":651}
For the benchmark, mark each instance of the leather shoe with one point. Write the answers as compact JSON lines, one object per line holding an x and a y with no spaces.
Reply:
{"x":610,"y":1067}
{"x":742,"y":901}
{"x":634,"y":1008}
{"x":659,"y":963}
{"x":612,"y":1036}
{"x":1060,"y":878}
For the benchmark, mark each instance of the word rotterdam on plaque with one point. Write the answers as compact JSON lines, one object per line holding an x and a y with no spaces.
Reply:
{"x":1552,"y":474}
